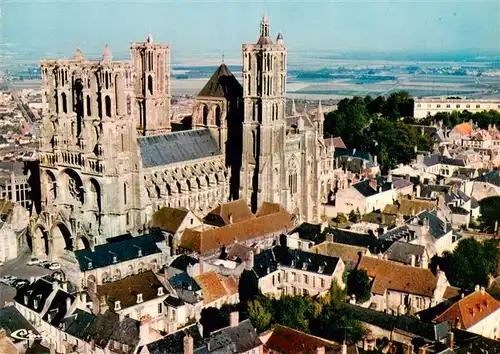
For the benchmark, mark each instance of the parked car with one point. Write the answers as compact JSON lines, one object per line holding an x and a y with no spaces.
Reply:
{"x":8,"y":279}
{"x":33,"y":261}
{"x":55,"y":266}
{"x":20,"y":283}
{"x":44,"y":264}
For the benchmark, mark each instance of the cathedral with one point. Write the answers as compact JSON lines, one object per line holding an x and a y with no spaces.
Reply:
{"x":109,"y":156}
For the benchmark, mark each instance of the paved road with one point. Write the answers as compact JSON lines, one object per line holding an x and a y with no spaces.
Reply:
{"x":18,"y":268}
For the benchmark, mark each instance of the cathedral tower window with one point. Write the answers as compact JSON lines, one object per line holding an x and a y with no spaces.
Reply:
{"x":158,"y":192}
{"x":129,"y":106}
{"x":150,"y":85}
{"x":89,"y":108}
{"x":249,"y":83}
{"x":254,"y":144}
{"x":64,"y":103}
{"x":107,"y":105}
{"x":125,"y":193}
{"x":217,"y":116}
{"x":205,"y":115}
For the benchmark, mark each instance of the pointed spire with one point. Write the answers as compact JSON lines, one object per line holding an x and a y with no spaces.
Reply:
{"x":264,"y":25}
{"x":319,"y":114}
{"x":149,"y":39}
{"x":222,"y":58}
{"x":78,"y":54}
{"x":107,"y":55}
{"x":294,"y":109}
{"x":305,"y":106}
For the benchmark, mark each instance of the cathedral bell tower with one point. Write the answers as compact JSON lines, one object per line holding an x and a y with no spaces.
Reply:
{"x":153,"y":107}
{"x":264,"y":127}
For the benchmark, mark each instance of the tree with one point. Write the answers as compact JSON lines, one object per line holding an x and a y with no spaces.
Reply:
{"x":211,"y":320}
{"x":358,"y":284}
{"x":248,"y":286}
{"x":260,"y":312}
{"x":354,"y":216}
{"x":471,"y":263}
{"x":490,"y":213}
{"x":399,"y":104}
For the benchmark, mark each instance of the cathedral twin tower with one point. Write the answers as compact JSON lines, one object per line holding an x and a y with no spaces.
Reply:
{"x":109,"y":156}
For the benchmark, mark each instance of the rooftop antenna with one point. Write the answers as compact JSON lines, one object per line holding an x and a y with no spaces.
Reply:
{"x":223,"y":58}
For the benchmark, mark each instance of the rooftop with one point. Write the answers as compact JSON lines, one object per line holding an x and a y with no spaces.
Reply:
{"x":222,"y":84}
{"x":229,"y":213}
{"x":186,"y":145}
{"x":169,"y":219}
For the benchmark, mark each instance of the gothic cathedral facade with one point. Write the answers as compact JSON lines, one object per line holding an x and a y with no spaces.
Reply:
{"x":108,"y":158}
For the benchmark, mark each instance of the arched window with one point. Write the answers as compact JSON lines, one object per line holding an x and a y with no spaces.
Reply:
{"x":89,"y":107}
{"x":64,"y":103}
{"x":169,"y":190}
{"x":107,"y":80}
{"x":158,"y":192}
{"x":205,"y":115}
{"x":179,"y":188}
{"x":254,"y":143}
{"x":108,"y":106}
{"x":249,"y":81}
{"x":217,"y":116}
{"x":129,"y":105}
{"x":292,"y":182}
{"x":125,"y":193}
{"x":188,"y":185}
{"x":122,"y":137}
{"x":150,"y":85}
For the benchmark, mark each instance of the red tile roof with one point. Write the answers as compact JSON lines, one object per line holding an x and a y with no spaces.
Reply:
{"x":285,"y":340}
{"x":213,"y":239}
{"x":389,"y":275}
{"x":470,"y":310}
{"x":336,"y":142}
{"x":214,"y":288}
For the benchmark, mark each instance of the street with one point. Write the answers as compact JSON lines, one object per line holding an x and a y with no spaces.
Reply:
{"x":19,"y":269}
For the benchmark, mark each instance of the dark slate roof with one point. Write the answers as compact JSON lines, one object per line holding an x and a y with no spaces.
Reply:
{"x":367,"y":190}
{"x":78,"y":324}
{"x":103,"y":327}
{"x":243,"y":336}
{"x":353,"y":153}
{"x":267,"y":261}
{"x":182,"y":262}
{"x":58,"y":309}
{"x":40,"y":290}
{"x":429,"y":331}
{"x":474,"y":203}
{"x":173,"y":301}
{"x":435,"y":223}
{"x":222,"y":84}
{"x":11,"y":321}
{"x":434,"y":159}
{"x":183,"y":281}
{"x":399,"y":233}
{"x":127,"y":332}
{"x":401,"y":252}
{"x":467,"y":342}
{"x":102,"y":256}
{"x":186,"y":145}
{"x":459,"y":210}
{"x":347,"y":237}
{"x":492,"y":177}
{"x":174,"y":342}
{"x":311,"y":232}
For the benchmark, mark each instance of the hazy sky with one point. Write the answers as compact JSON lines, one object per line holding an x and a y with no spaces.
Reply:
{"x":222,"y":26}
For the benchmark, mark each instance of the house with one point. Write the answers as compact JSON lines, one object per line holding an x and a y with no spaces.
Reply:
{"x":285,"y":271}
{"x":408,"y":254}
{"x":185,"y":303}
{"x":285,"y":340}
{"x":217,"y":291}
{"x":116,"y":260}
{"x":13,"y":227}
{"x":350,"y":255}
{"x":410,"y":332}
{"x":238,"y":337}
{"x":135,"y":296}
{"x":187,"y":340}
{"x":402,"y":289}
{"x":16,"y":332}
{"x":370,"y":195}
{"x":229,"y":213}
{"x":184,"y":263}
{"x":438,"y":164}
{"x":172,"y":222}
{"x":265,"y":228}
{"x":356,"y":161}
{"x":477,"y":313}
{"x":484,"y":186}
{"x":404,"y":171}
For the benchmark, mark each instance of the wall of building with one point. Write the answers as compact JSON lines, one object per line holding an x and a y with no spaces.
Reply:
{"x":423,"y":107}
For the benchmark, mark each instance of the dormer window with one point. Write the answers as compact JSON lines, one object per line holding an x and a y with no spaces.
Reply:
{"x":304,"y":266}
{"x":321,"y":269}
{"x":139,"y":298}
{"x":118,"y":305}
{"x":115,"y":259}
{"x":89,"y":265}
{"x":26,"y":299}
{"x":35,"y":303}
{"x":160,"y":291}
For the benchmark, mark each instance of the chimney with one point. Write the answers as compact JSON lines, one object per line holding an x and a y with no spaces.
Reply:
{"x":375,"y":160}
{"x":200,"y":261}
{"x":160,"y":291}
{"x":344,"y":348}
{"x":250,"y":261}
{"x":83,"y":297}
{"x":13,"y":187}
{"x":68,"y":303}
{"x":451,"y":340}
{"x":32,"y":279}
{"x":426,"y":223}
{"x":495,"y":230}
{"x":55,"y":285}
{"x":320,"y":350}
{"x":417,"y":191}
{"x":64,"y":286}
{"x":188,"y":345}
{"x":389,"y":178}
{"x":118,"y":305}
{"x":234,"y":319}
{"x":440,"y":200}
{"x":144,"y":328}
{"x":189,"y":270}
{"x":139,"y":298}
{"x":230,"y":218}
{"x":329,"y":237}
{"x":413,"y":259}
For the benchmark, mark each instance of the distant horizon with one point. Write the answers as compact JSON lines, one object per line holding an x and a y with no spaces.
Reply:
{"x":394,"y":28}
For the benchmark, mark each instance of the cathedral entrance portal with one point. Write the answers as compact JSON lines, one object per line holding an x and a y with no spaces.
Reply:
{"x":61,"y":240}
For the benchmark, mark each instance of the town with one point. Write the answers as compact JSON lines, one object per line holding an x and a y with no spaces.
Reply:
{"x":239,"y":220}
